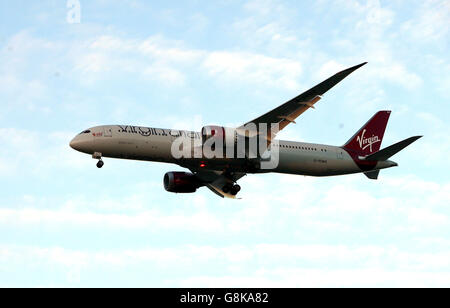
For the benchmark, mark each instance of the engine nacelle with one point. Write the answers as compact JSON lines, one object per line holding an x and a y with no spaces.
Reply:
{"x":181,"y":182}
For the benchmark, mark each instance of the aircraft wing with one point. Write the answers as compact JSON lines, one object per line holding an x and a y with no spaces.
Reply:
{"x":289,"y":111}
{"x":216,"y":180}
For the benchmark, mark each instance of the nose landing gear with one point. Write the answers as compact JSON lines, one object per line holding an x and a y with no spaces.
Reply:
{"x":100,"y":164}
{"x":98,"y":156}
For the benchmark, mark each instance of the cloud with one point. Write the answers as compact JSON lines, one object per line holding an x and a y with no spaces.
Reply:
{"x":368,"y":31}
{"x":169,"y":61}
{"x":37,"y":153}
{"x":330,"y":68}
{"x":296,"y":205}
{"x":307,"y":278}
{"x":145,"y":220}
{"x":430,"y":23}
{"x":262,"y":265}
{"x":168,"y":75}
{"x":388,"y":69}
{"x":436,"y":142}
{"x":254,"y":68}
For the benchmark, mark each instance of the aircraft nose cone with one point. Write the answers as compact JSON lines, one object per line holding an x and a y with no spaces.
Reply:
{"x":81,"y":144}
{"x":74,"y":144}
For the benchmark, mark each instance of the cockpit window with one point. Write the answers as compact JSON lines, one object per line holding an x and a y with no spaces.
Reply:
{"x":85,"y":132}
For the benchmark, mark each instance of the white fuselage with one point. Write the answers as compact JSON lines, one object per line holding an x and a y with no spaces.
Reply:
{"x":155,"y":144}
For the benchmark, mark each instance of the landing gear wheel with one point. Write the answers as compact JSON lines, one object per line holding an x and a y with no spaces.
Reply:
{"x":226,"y":189}
{"x":100,"y":164}
{"x":235,"y":189}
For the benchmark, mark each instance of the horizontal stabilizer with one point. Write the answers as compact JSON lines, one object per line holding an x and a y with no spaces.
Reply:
{"x":373,"y":175}
{"x":385,"y":153}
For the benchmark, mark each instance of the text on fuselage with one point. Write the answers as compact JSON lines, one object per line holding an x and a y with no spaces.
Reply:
{"x":150,"y":131}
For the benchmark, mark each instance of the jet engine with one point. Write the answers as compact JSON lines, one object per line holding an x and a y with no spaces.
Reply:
{"x":181,"y":182}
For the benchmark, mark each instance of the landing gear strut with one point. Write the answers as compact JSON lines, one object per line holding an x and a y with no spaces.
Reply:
{"x":98,"y":156}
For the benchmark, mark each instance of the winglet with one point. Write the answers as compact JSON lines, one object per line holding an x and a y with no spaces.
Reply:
{"x":353,"y":68}
{"x":326,"y":85}
{"x":342,"y":74}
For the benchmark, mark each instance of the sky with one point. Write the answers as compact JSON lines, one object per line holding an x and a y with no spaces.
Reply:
{"x":69,"y":65}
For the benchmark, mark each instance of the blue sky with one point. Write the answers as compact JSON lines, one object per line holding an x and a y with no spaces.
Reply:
{"x":183,"y":64}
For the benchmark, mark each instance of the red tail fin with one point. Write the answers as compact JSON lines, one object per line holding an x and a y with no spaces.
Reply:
{"x":368,"y":139}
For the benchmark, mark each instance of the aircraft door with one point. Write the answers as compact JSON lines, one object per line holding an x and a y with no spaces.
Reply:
{"x":340,"y":153}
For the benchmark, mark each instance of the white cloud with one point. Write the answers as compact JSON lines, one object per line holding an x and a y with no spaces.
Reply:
{"x":389,"y":70}
{"x":93,"y":63}
{"x":263,"y":265}
{"x":371,"y":36}
{"x":168,"y":60}
{"x":37,"y":153}
{"x":264,"y":7}
{"x":144,"y":220}
{"x":169,"y":51}
{"x":23,"y":94}
{"x":378,"y":15}
{"x":166,"y":74}
{"x":436,"y":141}
{"x":259,"y":69}
{"x":430,"y":23}
{"x":298,"y":204}
{"x":329,"y":68}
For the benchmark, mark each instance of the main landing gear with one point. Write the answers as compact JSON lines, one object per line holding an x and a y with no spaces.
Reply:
{"x":98,"y":156}
{"x":232,"y":189}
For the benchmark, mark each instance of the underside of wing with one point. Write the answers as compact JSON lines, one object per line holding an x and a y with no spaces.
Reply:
{"x":289,"y":111}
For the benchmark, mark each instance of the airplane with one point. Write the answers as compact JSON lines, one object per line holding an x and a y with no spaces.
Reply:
{"x":360,"y":154}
